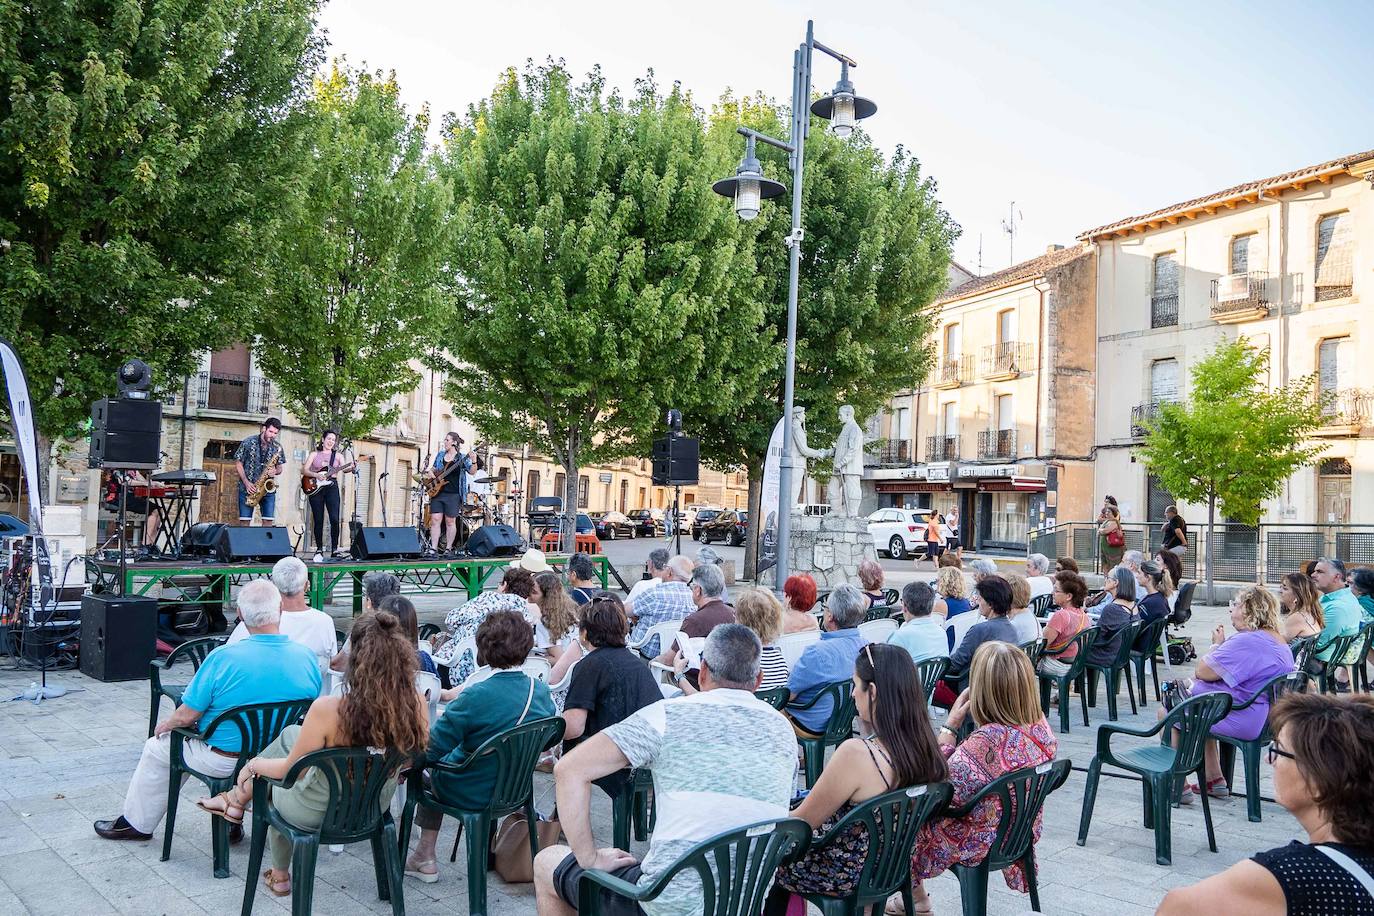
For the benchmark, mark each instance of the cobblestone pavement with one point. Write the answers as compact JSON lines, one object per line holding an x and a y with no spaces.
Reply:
{"x":67,"y":762}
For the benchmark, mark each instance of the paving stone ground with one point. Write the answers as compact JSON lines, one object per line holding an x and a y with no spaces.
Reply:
{"x":67,"y":762}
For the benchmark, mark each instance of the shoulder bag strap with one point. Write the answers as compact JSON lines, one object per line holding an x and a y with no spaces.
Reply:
{"x":528,"y":700}
{"x":1350,"y":865}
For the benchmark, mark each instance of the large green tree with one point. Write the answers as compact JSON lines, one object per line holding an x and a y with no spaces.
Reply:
{"x":1235,"y":440}
{"x":598,"y":280}
{"x":352,"y":287}
{"x":144,"y":148}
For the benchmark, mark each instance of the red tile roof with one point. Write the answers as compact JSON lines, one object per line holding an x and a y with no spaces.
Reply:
{"x":1026,"y":270}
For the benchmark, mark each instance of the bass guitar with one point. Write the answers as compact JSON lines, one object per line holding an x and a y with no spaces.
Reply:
{"x":436,"y":483}
{"x":310,"y":483}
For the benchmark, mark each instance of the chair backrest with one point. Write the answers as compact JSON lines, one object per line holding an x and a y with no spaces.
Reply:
{"x":878,"y":630}
{"x":734,"y":869}
{"x":517,"y":751}
{"x":1302,"y":648}
{"x":1123,"y":651}
{"x":1034,"y":649}
{"x":1194,"y":718}
{"x":1150,"y":634}
{"x":794,"y":644}
{"x":840,"y":725}
{"x":890,"y":597}
{"x":665,"y":632}
{"x":356,"y":778}
{"x":930,"y":671}
{"x":891,"y":821}
{"x":1021,"y":794}
{"x":1292,"y":682}
{"x":537,"y":668}
{"x":428,"y":686}
{"x":195,"y":651}
{"x":259,"y":724}
{"x":1183,"y":605}
{"x":1342,"y":648}
{"x":959,"y":625}
{"x":340,"y":637}
{"x":1040,"y":604}
{"x":1086,"y":639}
{"x":428,"y":630}
{"x":775,"y":697}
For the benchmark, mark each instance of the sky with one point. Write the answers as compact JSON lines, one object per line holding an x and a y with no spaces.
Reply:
{"x":1081,"y":113}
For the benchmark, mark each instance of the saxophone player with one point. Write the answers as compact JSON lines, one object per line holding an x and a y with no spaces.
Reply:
{"x":259,"y":461}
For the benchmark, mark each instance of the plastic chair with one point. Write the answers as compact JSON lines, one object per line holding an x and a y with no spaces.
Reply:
{"x":1085,"y":640}
{"x":633,"y":804}
{"x":1040,"y":605}
{"x":340,"y":637}
{"x":1149,"y":637}
{"x":1034,"y":650}
{"x":734,"y":870}
{"x":516,"y":751}
{"x":794,"y":644}
{"x":194,"y":651}
{"x":1359,"y":675}
{"x":1342,"y":648}
{"x":891,"y":597}
{"x":1020,"y":795}
{"x":1250,"y":750}
{"x":429,"y":630}
{"x":838,"y":727}
{"x":878,"y":630}
{"x":775,"y":697}
{"x":1112,"y":671}
{"x":931,"y":670}
{"x":356,"y":778}
{"x":1183,"y":604}
{"x":957,"y":627}
{"x":258,"y":726}
{"x":891,"y":821}
{"x":1302,"y":649}
{"x":665,"y":631}
{"x":1161,"y":768}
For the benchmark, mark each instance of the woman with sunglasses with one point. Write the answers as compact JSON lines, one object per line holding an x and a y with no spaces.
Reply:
{"x":1323,"y":765}
{"x":899,"y":750}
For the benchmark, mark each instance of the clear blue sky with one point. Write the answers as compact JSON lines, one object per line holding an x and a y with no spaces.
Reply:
{"x":1083,"y":113}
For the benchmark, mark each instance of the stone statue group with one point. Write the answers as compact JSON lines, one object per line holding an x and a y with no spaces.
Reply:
{"x":847,"y":468}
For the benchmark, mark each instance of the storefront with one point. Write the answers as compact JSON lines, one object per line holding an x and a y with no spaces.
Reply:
{"x":1007,"y":503}
{"x":917,"y":488}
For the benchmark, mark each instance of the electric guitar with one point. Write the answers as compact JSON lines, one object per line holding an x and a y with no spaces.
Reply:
{"x":310,"y":483}
{"x":436,"y":483}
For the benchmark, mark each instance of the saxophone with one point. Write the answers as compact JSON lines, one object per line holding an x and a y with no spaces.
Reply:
{"x":265,"y":483}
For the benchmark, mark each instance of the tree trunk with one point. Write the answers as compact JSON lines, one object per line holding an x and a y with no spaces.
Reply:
{"x":755,"y":527}
{"x":569,"y":539}
{"x":1211,"y":535}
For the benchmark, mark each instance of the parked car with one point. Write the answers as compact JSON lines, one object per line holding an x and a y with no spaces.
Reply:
{"x":585,"y":525}
{"x":648,"y":522}
{"x":898,"y":532}
{"x":719,"y":527}
{"x":612,"y":525}
{"x":701,"y":518}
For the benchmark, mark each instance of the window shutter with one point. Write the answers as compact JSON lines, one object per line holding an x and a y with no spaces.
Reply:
{"x":1166,"y":276}
{"x":1334,"y":273}
{"x":1163,"y":380}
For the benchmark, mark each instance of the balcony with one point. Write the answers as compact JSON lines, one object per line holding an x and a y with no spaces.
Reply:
{"x":942,"y":448}
{"x":894,"y":455}
{"x":1349,"y":412}
{"x":1007,"y":360}
{"x":954,"y":371}
{"x":251,"y":394}
{"x":1240,"y":297}
{"x":1141,"y":416}
{"x":997,"y":443}
{"x":1163,"y":311}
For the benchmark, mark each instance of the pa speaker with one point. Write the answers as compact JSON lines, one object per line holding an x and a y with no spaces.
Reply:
{"x":386,"y":544}
{"x":261,"y":544}
{"x":126,"y":433}
{"x":494,"y":541}
{"x":675,"y":461}
{"x":201,"y":540}
{"x":118,"y":637}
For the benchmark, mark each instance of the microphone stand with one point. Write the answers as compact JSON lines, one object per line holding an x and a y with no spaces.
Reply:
{"x":381,"y":494}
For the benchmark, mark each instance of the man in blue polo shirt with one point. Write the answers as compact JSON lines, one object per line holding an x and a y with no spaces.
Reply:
{"x":267,"y":667}
{"x":829,"y":660}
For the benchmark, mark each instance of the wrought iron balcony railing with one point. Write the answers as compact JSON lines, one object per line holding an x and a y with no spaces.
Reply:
{"x":942,"y":448}
{"x":1008,"y":358}
{"x":1240,"y":294}
{"x":1163,"y":311}
{"x":997,"y":443}
{"x":954,"y":371}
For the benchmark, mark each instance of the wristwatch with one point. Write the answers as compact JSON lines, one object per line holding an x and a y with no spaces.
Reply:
{"x":679,"y":677}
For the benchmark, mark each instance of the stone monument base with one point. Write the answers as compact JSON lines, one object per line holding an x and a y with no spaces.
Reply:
{"x":828,"y":547}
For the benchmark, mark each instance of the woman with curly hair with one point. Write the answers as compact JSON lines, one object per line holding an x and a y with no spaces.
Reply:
{"x":952,"y":590}
{"x":380,"y":708}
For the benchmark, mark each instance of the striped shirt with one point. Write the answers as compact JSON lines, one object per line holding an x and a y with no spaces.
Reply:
{"x":774,"y":667}
{"x":720,"y":759}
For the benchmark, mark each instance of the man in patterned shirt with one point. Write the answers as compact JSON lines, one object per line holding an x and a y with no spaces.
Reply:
{"x":721,"y":759}
{"x":671,"y":600}
{"x":250,"y":459}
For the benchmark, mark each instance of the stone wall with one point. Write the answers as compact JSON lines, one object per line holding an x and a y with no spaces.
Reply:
{"x":828,"y":547}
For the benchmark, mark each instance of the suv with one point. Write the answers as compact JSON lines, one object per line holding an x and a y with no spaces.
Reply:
{"x":701,"y":518}
{"x":722,"y":526}
{"x":898,"y":532}
{"x":648,"y":522}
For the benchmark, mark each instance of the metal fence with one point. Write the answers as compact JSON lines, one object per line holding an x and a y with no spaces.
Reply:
{"x":1241,"y":553}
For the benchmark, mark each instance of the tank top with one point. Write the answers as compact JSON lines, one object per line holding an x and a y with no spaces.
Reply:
{"x":1314,"y":885}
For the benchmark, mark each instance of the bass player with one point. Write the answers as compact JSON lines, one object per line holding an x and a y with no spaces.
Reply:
{"x":319,"y":480}
{"x":452,"y":465}
{"x":258,"y":460}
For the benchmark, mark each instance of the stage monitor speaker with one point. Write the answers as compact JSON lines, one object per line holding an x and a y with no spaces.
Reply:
{"x":126,"y":433}
{"x":201,"y":540}
{"x":118,"y":637}
{"x":494,"y":541}
{"x":386,"y":544}
{"x":261,"y":544}
{"x":675,"y":461}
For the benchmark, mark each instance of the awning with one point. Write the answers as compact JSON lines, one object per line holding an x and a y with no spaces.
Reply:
{"x":1013,"y":484}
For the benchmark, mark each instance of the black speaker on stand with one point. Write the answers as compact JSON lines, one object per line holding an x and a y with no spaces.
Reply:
{"x":118,"y":636}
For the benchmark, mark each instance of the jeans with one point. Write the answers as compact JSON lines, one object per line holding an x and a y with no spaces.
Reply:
{"x":267,"y":507}
{"x":325,"y":501}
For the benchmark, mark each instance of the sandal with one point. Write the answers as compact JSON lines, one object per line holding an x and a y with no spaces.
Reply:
{"x":414,"y":870}
{"x":226,"y":812}
{"x":276,"y":886}
{"x":895,"y":908}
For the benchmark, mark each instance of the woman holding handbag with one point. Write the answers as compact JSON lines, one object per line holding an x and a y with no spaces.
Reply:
{"x":1111,"y":537}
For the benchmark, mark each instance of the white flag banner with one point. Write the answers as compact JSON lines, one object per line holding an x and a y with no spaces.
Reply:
{"x":26,"y":439}
{"x":768,"y":502}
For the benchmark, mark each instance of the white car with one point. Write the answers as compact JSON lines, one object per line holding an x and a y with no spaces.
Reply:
{"x":898,"y":532}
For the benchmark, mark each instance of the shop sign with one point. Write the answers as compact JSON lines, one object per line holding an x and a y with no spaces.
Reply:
{"x":605,"y":477}
{"x":936,"y":472}
{"x":989,"y":470}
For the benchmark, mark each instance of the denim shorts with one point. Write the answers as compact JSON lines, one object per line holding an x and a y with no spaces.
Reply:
{"x":267,"y":507}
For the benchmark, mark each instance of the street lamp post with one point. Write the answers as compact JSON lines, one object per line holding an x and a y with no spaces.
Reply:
{"x":749,"y":187}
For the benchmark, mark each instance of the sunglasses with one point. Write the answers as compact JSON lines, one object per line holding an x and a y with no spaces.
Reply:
{"x":1275,"y":752}
{"x":869,"y":654}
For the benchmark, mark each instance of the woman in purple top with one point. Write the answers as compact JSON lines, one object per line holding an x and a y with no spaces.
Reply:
{"x":1241,"y":665}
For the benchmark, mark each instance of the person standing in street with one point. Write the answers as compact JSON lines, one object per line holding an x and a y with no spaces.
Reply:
{"x":1175,"y":532}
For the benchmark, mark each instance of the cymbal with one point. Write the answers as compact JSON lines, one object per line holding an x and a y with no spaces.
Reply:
{"x":481,"y":478}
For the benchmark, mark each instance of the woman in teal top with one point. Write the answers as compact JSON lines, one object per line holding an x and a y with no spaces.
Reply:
{"x":483,"y":710}
{"x":1362,"y":586}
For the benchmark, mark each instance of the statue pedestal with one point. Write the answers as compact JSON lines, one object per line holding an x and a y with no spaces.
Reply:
{"x":829,"y":548}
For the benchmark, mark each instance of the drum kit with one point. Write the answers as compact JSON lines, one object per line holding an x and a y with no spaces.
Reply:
{"x":482,"y":506}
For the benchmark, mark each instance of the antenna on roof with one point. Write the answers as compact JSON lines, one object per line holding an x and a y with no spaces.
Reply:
{"x":980,"y":254}
{"x":1009,"y":227}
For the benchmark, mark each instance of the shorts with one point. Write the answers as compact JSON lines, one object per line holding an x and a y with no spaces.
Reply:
{"x":568,"y":875}
{"x":1180,"y":550}
{"x":267,"y":507}
{"x":446,"y":504}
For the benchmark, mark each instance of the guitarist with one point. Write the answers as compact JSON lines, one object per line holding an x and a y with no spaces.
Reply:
{"x":323,"y":467}
{"x":453,"y":463}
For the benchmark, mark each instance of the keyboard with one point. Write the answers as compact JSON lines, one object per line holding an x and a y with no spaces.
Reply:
{"x":187,"y":477}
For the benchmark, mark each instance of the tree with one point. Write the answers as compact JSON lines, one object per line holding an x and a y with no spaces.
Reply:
{"x":145,"y":148}
{"x":1234,"y":441}
{"x":875,"y":253}
{"x":597,"y":279}
{"x":353,"y":283}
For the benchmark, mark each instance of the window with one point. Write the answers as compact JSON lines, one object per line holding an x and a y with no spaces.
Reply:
{"x":1157,"y":499}
{"x":1006,"y":326}
{"x":560,"y":486}
{"x":1006,"y":415}
{"x":1242,"y":247}
{"x":1164,"y":292}
{"x":952,"y":341}
{"x":624,"y":496}
{"x":1335,"y":365}
{"x":950,"y":419}
{"x":532,"y":485}
{"x":583,"y":491}
{"x":1335,"y":257}
{"x":1163,"y":381}
{"x":643,"y":499}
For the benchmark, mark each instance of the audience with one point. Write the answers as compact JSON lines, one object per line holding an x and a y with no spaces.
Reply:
{"x":1114,"y":621}
{"x":1038,"y":574}
{"x":993,"y":596}
{"x":761,"y":611}
{"x":708,"y":595}
{"x":404,"y":611}
{"x":457,"y":664}
{"x":953,"y":592}
{"x":583,"y":583}
{"x":921,"y":634}
{"x":1341,"y":614}
{"x":1155,"y":604}
{"x":1011,"y":733}
{"x":300,"y":622}
{"x":695,"y":746}
{"x":1362,"y":587}
{"x":670,"y":601}
{"x":951,"y":560}
{"x":899,"y":751}
{"x":1173,"y":565}
{"x":1068,"y":564}
{"x":828,"y":660}
{"x":656,"y":569}
{"x":1302,"y":607}
{"x":871,"y":579}
{"x":982,"y":567}
{"x":1323,"y":765}
{"x":556,"y":629}
{"x":1065,"y":623}
{"x":377,"y":585}
{"x":1021,"y":617}
{"x":800,"y":592}
{"x":611,"y":682}
{"x":1132,"y":559}
{"x":267,"y":667}
{"x":508,"y":698}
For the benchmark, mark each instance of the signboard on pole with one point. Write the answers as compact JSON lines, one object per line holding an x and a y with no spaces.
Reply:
{"x":768,"y":502}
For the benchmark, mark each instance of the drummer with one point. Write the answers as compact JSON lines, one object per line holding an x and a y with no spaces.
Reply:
{"x":479,"y":492}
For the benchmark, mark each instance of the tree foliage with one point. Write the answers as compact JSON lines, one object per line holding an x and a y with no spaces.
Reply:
{"x":144,"y":148}
{"x":353,"y":284}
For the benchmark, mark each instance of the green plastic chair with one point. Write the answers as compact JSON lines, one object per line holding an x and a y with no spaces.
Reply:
{"x":1149,"y":636}
{"x":734,"y":869}
{"x":634,"y":804}
{"x":1161,"y":768}
{"x":194,"y":651}
{"x":1020,"y":795}
{"x":1294,"y":681}
{"x":428,"y":630}
{"x":1112,"y":672}
{"x":1302,"y":648}
{"x":516,"y":751}
{"x":776,"y":697}
{"x":1342,"y":648}
{"x":356,"y":811}
{"x":838,"y":727}
{"x":258,"y":726}
{"x":891,"y":596}
{"x":930,"y":671}
{"x":1359,"y":675}
{"x":1085,"y":641}
{"x":340,"y":637}
{"x":1035,"y":650}
{"x":891,"y":821}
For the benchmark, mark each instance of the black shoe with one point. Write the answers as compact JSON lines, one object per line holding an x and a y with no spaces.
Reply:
{"x":235,"y":834}
{"x":119,"y":829}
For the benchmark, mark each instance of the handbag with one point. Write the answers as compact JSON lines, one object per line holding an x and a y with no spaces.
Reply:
{"x":1115,"y":538}
{"x":510,"y":851}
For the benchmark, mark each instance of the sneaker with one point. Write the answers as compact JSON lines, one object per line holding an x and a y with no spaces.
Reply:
{"x":319,"y":557}
{"x":1187,"y":795}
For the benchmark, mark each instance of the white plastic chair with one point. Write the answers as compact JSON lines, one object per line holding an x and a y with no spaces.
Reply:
{"x":665,"y":672}
{"x":664,"y":631}
{"x":960,"y":624}
{"x":794,"y":644}
{"x":537,"y":667}
{"x":878,"y":630}
{"x":428,"y":687}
